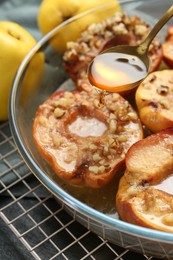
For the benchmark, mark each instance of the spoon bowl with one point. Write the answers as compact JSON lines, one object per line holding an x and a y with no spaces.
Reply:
{"x":119,"y":69}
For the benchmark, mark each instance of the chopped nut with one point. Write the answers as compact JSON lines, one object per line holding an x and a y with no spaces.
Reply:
{"x":109,"y":157}
{"x":140,"y":29}
{"x":112,"y":116}
{"x":133,"y":116}
{"x":113,"y":125}
{"x":115,"y":97}
{"x":85,"y":103}
{"x":107,"y":34}
{"x":97,"y":103}
{"x":71,"y":45}
{"x":68,"y":94}
{"x":57,"y":140}
{"x":63,"y":102}
{"x":96,"y":157}
{"x":122,"y":138}
{"x":94,"y":169}
{"x":102,"y":162}
{"x":71,"y":153}
{"x":120,"y":29}
{"x":102,"y":169}
{"x":98,"y":43}
{"x":43,"y":121}
{"x":58,"y":112}
{"x":122,"y":115}
{"x":112,"y":143}
{"x":92,"y":146}
{"x":105,"y":149}
{"x":82,"y":57}
{"x":118,"y":17}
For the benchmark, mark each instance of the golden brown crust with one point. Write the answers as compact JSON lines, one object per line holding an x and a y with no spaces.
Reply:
{"x":139,"y":200}
{"x":84,"y":141}
{"x":116,"y":30}
{"x":154,"y":100}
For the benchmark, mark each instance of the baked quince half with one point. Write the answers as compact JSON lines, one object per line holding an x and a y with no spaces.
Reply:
{"x":83,"y":140}
{"x":118,"y":29}
{"x":154,"y":99}
{"x":142,"y":198}
{"x":168,"y":47}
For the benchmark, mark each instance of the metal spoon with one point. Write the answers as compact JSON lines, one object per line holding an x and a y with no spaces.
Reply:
{"x":122,"y":68}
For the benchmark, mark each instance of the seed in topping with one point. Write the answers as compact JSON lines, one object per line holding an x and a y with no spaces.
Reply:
{"x":162,"y":90}
{"x":58,"y":112}
{"x":122,"y":115}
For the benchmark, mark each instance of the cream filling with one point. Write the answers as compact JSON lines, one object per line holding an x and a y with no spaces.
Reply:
{"x":87,"y":127}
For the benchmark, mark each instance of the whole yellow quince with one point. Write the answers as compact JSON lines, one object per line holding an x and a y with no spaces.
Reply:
{"x":16,"y":42}
{"x":53,"y":12}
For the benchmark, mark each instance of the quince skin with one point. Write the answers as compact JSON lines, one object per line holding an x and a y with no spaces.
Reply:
{"x":53,"y":12}
{"x":15,"y":44}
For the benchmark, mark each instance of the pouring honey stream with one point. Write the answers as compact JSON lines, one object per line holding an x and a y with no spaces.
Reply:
{"x":123,"y":68}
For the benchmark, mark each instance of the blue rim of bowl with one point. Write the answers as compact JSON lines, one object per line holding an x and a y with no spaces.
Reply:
{"x":119,"y":225}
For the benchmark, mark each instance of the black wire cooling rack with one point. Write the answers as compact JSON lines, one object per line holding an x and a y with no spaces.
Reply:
{"x":38,"y":221}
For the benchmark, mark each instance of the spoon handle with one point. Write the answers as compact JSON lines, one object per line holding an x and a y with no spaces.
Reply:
{"x":143,"y":47}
